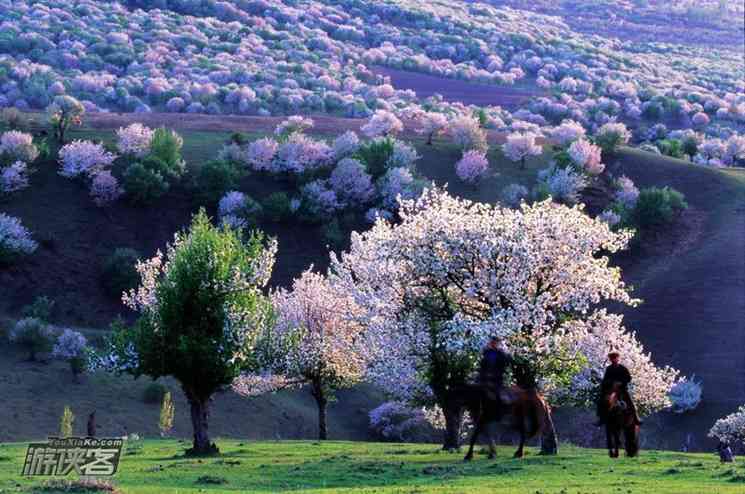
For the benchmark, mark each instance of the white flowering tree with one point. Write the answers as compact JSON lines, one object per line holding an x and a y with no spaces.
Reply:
{"x":202,"y":313}
{"x":435,"y":286}
{"x":382,"y":123}
{"x":64,"y":112}
{"x":316,"y":342}
{"x":730,"y":429}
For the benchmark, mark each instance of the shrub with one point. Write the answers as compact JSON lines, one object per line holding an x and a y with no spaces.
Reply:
{"x":215,"y":178}
{"x":167,"y":413}
{"x":166,"y":146}
{"x":66,"y":422}
{"x":34,"y":335}
{"x":154,"y":393}
{"x":395,"y":421}
{"x":375,"y":155}
{"x":105,"y":188}
{"x":15,"y":239}
{"x":472,"y":166}
{"x":671,"y":147}
{"x":119,"y":274}
{"x":612,"y":135}
{"x":276,"y":207}
{"x":656,"y":207}
{"x":686,"y":395}
{"x":41,"y":308}
{"x":144,"y":185}
{"x":563,"y":184}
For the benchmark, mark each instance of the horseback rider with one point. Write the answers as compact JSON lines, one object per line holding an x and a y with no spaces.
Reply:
{"x":494,"y":362}
{"x":615,"y":373}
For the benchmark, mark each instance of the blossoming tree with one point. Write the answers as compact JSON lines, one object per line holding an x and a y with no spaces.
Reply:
{"x":64,"y":112}
{"x":202,"y":312}
{"x":435,"y":286}
{"x":520,"y":147}
{"x":316,"y":341}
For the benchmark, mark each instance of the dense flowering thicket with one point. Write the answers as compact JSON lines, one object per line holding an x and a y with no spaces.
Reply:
{"x":84,"y":159}
{"x":134,"y":140}
{"x":472,"y":166}
{"x":396,"y":421}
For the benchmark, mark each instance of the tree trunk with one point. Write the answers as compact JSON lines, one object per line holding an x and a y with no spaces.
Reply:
{"x":549,"y":442}
{"x":199,"y":415}
{"x":429,"y":139}
{"x":453,"y":423}
{"x":322,"y":402}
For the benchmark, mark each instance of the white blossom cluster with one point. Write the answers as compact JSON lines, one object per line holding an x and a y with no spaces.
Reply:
{"x":15,"y":239}
{"x":730,"y":429}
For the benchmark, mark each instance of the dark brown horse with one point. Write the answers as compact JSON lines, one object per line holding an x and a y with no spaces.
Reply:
{"x":526,"y":410}
{"x":620,"y":417}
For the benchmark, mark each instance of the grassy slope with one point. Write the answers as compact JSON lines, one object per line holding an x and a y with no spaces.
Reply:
{"x":340,"y":467}
{"x":678,"y":320}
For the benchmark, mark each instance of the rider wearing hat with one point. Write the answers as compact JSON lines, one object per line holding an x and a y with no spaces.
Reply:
{"x":494,"y":362}
{"x":615,"y":373}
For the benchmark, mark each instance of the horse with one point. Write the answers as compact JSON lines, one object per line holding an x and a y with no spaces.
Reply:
{"x":526,"y":408}
{"x":620,"y":417}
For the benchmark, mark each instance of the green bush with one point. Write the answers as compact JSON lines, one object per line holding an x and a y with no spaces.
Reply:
{"x":34,"y":335}
{"x":656,"y":207}
{"x":119,"y":273}
{"x":239,"y":138}
{"x":143,"y":185}
{"x":277,"y":207}
{"x":41,"y":308}
{"x":671,"y":147}
{"x":215,"y":178}
{"x":154,"y":393}
{"x":333,"y":234}
{"x":375,"y":155}
{"x":166,"y":146}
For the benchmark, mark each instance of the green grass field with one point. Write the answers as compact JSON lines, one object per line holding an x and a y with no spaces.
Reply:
{"x":157,"y":466}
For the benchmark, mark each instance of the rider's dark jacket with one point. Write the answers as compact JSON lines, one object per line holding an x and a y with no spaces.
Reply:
{"x":615,"y":373}
{"x":493,"y":365}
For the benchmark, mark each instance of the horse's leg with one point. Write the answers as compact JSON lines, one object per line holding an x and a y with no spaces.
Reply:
{"x":520,"y":453}
{"x":609,"y":440}
{"x":617,"y":438}
{"x":492,"y":444}
{"x":474,"y":436}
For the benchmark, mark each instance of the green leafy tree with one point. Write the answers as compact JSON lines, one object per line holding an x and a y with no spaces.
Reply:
{"x":202,"y":315}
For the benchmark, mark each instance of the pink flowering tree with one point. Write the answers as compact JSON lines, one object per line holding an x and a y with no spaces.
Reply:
{"x":292,"y":125}
{"x":72,"y":347}
{"x":316,"y":341}
{"x":566,"y":133}
{"x":467,"y":133}
{"x":382,"y":124}
{"x":63,"y":113}
{"x":472,"y":166}
{"x":587,"y":157}
{"x":433,"y":287}
{"x":519,"y":147}
{"x":433,"y":124}
{"x":202,"y":314}
{"x":18,"y":146}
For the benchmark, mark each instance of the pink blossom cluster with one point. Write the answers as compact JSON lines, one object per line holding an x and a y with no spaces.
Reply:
{"x":105,"y":188}
{"x":18,"y":146}
{"x":293,"y":124}
{"x":626,"y":192}
{"x":472,"y":166}
{"x":587,"y":157}
{"x":81,"y":158}
{"x":134,"y":140}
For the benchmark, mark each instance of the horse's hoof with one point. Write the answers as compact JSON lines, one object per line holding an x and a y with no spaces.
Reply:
{"x":492,"y":456}
{"x":468,"y":458}
{"x":517,"y":455}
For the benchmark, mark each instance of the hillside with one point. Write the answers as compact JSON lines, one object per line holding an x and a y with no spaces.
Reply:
{"x":157,"y":466}
{"x":691,"y":277}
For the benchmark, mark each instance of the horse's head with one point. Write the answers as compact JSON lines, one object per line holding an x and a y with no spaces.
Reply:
{"x":613,"y":398}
